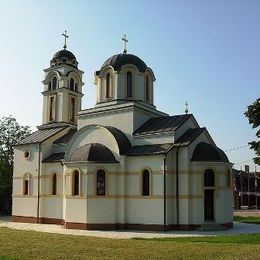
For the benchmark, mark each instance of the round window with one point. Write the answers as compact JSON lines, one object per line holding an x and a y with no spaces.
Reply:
{"x":27,"y":154}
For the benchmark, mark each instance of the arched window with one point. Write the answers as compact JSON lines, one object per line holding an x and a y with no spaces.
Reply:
{"x":76,"y":87}
{"x":146,"y":183}
{"x":49,"y":86}
{"x":54,"y":83}
{"x":54,"y":184}
{"x":75,"y":183}
{"x":72,"y":84}
{"x":209,"y":178}
{"x":147,"y":89}
{"x":101,"y":183}
{"x":129,"y":84}
{"x":108,"y":86}
{"x":26,"y":184}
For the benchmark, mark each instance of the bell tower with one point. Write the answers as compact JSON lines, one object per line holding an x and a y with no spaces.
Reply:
{"x":62,"y":92}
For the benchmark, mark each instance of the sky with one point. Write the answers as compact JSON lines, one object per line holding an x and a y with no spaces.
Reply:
{"x":204,"y":52}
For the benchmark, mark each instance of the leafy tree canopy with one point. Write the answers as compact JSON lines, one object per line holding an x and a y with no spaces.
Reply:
{"x":253,"y":115}
{"x":10,"y":133}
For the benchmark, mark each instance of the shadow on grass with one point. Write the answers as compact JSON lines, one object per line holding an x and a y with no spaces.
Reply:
{"x":235,"y":239}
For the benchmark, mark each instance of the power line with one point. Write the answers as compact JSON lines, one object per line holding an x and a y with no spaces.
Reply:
{"x":236,"y":148}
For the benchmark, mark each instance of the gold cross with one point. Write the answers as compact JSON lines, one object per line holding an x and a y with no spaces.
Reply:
{"x":65,"y":37}
{"x":124,"y":43}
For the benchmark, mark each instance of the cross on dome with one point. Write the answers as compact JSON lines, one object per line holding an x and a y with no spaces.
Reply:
{"x":124,"y":43}
{"x":186,"y":107}
{"x":65,"y":38}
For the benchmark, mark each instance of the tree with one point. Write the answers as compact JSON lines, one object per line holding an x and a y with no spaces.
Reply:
{"x":253,"y":115}
{"x":10,"y":133}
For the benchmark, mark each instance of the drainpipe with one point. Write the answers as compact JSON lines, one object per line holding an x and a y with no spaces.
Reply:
{"x":39,"y":174}
{"x":177,"y":188}
{"x":164,"y":193}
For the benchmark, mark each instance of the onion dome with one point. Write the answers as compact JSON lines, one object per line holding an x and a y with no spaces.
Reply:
{"x":119,"y":60}
{"x":64,"y":57}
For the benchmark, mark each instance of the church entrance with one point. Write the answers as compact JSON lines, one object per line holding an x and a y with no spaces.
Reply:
{"x":209,"y":187}
{"x":208,"y":205}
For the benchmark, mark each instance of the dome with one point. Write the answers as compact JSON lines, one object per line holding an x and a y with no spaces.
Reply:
{"x":208,"y":153}
{"x":64,"y":57}
{"x":119,"y":60}
{"x":92,"y":153}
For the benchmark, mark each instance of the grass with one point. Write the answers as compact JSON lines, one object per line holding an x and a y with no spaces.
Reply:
{"x":18,"y":244}
{"x":248,"y":219}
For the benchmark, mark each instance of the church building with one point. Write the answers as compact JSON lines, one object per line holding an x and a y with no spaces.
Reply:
{"x":122,"y":164}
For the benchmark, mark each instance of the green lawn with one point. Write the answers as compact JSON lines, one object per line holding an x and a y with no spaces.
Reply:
{"x":250,"y":220}
{"x":17,"y":244}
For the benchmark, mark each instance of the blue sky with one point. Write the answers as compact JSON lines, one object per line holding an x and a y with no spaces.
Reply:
{"x":206,"y":52}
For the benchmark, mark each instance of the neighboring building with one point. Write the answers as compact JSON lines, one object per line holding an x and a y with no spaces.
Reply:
{"x":122,"y":164}
{"x":246,"y":189}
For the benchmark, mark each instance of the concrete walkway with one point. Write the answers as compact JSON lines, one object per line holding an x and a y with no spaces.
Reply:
{"x":239,"y":228}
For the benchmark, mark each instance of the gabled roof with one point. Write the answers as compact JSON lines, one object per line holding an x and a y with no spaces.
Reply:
{"x":189,"y":136}
{"x":55,"y":157}
{"x":164,"y":124}
{"x":149,"y":149}
{"x":66,"y":138}
{"x":41,"y":135}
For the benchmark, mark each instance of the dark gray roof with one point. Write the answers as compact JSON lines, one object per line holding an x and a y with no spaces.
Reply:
{"x":164,"y":124}
{"x":122,"y":141}
{"x":121,"y":59}
{"x":64,"y":57}
{"x":189,"y":136}
{"x":92,"y":153}
{"x":55,"y":157}
{"x":149,"y":149}
{"x":205,"y":152}
{"x":40,"y":135}
{"x":66,"y":138}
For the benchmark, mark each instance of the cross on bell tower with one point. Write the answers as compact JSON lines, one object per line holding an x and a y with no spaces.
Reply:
{"x":65,"y":39}
{"x":124,"y":43}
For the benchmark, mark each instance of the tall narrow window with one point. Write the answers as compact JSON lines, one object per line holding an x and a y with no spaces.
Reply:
{"x":129,"y":84}
{"x":147,"y":88}
{"x":51,"y":111}
{"x":26,"y":188}
{"x":209,"y":178}
{"x":49,"y":86}
{"x":209,"y":195}
{"x":54,"y":83}
{"x":72,"y":109}
{"x":72,"y":84}
{"x":146,"y":183}
{"x":76,"y":87}
{"x":101,"y":183}
{"x":54,"y":184}
{"x":75,"y":183}
{"x":108,"y":86}
{"x":228,"y":178}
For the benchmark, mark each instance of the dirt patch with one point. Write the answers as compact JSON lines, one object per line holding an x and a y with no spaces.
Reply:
{"x":247,"y":213}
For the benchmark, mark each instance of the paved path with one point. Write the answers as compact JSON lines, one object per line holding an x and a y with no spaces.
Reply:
{"x":239,"y":228}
